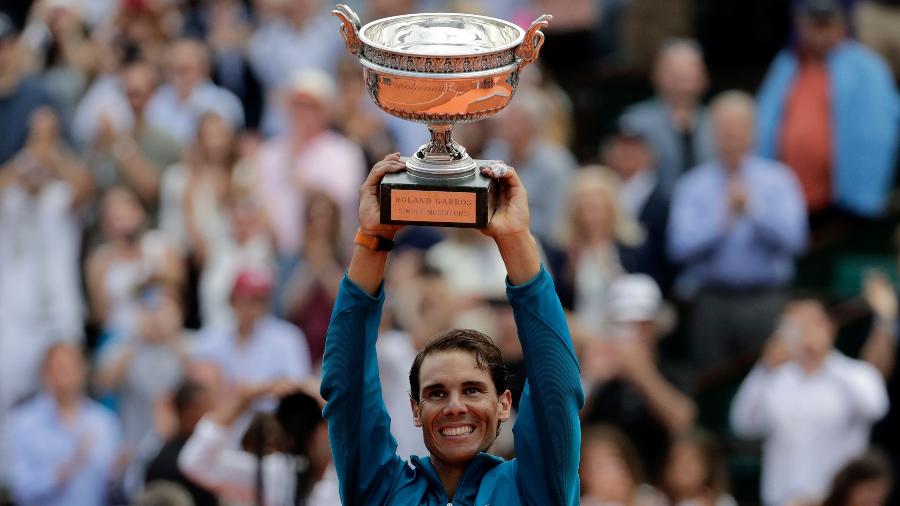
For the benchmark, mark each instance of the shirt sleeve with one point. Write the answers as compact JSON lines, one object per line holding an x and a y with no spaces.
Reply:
{"x":696,"y":222}
{"x":749,"y":412}
{"x":33,"y":476}
{"x":547,"y":433}
{"x":358,"y":423}
{"x":207,"y":460}
{"x":778,"y":214}
{"x":862,"y":385}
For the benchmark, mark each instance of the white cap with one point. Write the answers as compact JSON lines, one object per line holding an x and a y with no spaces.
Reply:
{"x":314,"y":83}
{"x":634,"y":298}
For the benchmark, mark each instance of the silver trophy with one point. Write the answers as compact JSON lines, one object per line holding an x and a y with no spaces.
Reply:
{"x":440,"y":69}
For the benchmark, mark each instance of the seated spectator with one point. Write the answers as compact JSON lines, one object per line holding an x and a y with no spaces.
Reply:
{"x":597,"y":243}
{"x":130,"y":256}
{"x":128,"y":151}
{"x":307,"y":156}
{"x":61,"y":445}
{"x":695,"y":472}
{"x":312,"y":288}
{"x":470,"y":264}
{"x":610,"y":470}
{"x":362,"y":122}
{"x":545,"y":167}
{"x":20,"y":93}
{"x":674,"y":122}
{"x":287,"y":447}
{"x":864,"y":481}
{"x":626,"y":386}
{"x":801,"y":394}
{"x":258,"y":347}
{"x":141,"y":369}
{"x":837,"y":132}
{"x":191,"y":401}
{"x":642,"y":199}
{"x":736,"y":224}
{"x":177,"y":105}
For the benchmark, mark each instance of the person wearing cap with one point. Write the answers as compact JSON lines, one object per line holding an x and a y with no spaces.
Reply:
{"x":20,"y":95}
{"x":458,"y":382}
{"x":642,"y":198}
{"x":307,"y":156}
{"x":258,"y":347}
{"x":829,"y":109}
{"x":626,"y":386}
{"x":674,"y":122}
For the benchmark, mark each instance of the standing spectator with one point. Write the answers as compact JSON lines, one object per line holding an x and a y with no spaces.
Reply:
{"x":626,"y":386}
{"x":836,"y":130}
{"x":20,"y":95}
{"x":736,"y":224}
{"x":545,"y":167}
{"x":61,"y":444}
{"x":141,"y":369}
{"x":134,"y":153}
{"x":130,"y":257}
{"x":812,"y":406}
{"x":177,"y":105}
{"x":258,"y":347}
{"x":876,"y":26}
{"x":308,"y":156}
{"x":674,"y":122}
{"x":41,"y":194}
{"x":642,"y":198}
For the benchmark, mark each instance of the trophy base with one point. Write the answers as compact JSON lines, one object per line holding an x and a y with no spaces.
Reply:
{"x":468,"y":202}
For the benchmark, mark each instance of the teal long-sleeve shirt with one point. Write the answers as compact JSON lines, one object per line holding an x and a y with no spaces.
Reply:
{"x":546,"y":433}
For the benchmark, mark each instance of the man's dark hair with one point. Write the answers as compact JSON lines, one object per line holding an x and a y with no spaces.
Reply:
{"x":299,"y":415}
{"x":487,"y":356}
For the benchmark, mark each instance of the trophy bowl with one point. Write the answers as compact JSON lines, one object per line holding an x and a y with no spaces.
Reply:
{"x":440,"y":69}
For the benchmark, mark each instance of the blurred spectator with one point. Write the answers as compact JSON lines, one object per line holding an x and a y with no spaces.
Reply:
{"x":130,"y":256}
{"x":288,"y":451}
{"x":876,"y":26}
{"x":308,"y":156}
{"x":165,"y":493}
{"x":625,"y":385}
{"x":864,"y":481}
{"x":243,"y":244}
{"x":257,"y":347}
{"x":735,"y":226}
{"x":191,"y":401}
{"x":598,"y":245}
{"x":363,"y":123}
{"x":611,"y":472}
{"x":61,"y":445}
{"x":695,"y":472}
{"x":62,"y":51}
{"x":642,"y":198}
{"x":133,"y":154}
{"x":470,"y":264}
{"x":837,"y":132}
{"x":20,"y":94}
{"x":142,"y":369}
{"x":545,"y":167}
{"x":812,"y":405}
{"x":572,"y":42}
{"x":41,"y":195}
{"x":674,"y":122}
{"x":312,"y":288}
{"x":177,"y":105}
{"x":194,"y":191}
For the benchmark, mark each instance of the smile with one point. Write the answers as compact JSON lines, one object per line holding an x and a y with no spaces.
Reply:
{"x":457,"y":431}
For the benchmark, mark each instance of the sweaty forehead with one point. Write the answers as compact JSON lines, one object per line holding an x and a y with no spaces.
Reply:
{"x":452,"y":367}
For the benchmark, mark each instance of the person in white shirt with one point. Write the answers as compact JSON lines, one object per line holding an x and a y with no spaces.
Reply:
{"x":178,"y":104}
{"x":812,"y":405}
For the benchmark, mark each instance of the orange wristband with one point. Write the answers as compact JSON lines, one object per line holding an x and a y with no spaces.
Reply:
{"x":373,"y":242}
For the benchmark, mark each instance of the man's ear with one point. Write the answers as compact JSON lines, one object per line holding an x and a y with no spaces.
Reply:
{"x":505,"y":405}
{"x":414,"y":405}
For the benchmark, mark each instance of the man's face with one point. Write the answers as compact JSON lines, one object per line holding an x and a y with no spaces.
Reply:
{"x":628,"y":156}
{"x":186,"y":67}
{"x":65,"y":372}
{"x":818,"y":36}
{"x":248,"y":309}
{"x":139,"y":82}
{"x":459,"y":409}
{"x":733,"y":127}
{"x":815,"y":333}
{"x":681,"y":74}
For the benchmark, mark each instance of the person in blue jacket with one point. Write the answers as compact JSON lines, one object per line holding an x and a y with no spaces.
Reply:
{"x":458,"y":390}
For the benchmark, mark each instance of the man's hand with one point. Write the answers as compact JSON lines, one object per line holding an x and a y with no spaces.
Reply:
{"x":737,"y":195}
{"x":369,"y":206}
{"x":880,"y":296}
{"x":511,"y":216}
{"x":776,"y":352}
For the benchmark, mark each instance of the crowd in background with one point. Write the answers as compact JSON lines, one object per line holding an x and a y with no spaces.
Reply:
{"x":711,"y":184}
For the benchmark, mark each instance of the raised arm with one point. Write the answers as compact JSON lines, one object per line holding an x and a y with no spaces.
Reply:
{"x":358,"y":423}
{"x":547,"y":431}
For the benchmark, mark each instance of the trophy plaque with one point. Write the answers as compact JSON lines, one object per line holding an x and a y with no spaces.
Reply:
{"x":440,"y":69}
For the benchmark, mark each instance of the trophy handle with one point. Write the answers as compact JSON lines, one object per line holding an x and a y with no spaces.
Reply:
{"x":349,"y":28}
{"x":528,"y":50}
